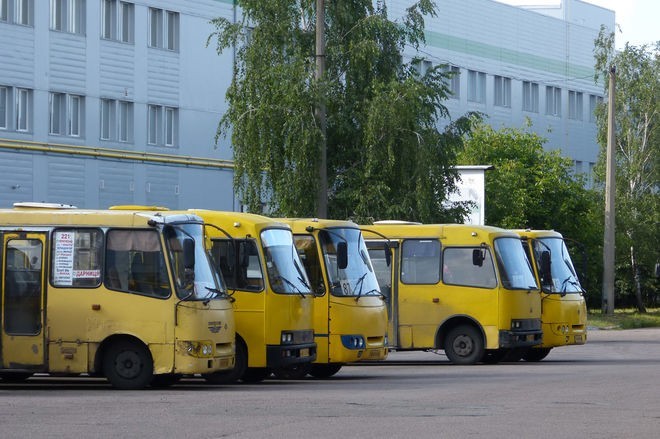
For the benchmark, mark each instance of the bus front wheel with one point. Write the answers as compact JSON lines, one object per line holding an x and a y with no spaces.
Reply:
{"x":324,"y":370}
{"x":233,"y":375}
{"x":536,"y":354}
{"x":464,"y":345}
{"x":128,"y":365}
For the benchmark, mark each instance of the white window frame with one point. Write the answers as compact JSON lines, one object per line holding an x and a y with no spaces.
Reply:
{"x":125,"y":121}
{"x":68,"y":16}
{"x":74,"y":115}
{"x":153,"y":125}
{"x":575,"y":105}
{"x":162,"y":125}
{"x":594,"y":101}
{"x":107,"y":119}
{"x":476,"y":87}
{"x":23,"y":12}
{"x":164,"y":29}
{"x":56,"y":113}
{"x":118,"y":21}
{"x":170,"y":126}
{"x":530,"y":97}
{"x":502,"y":91}
{"x":4,"y":106}
{"x":552,"y":101}
{"x":23,"y":109}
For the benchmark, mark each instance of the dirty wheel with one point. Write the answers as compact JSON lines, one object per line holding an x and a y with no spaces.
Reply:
{"x":293,"y":372}
{"x":536,"y":354}
{"x":128,"y":365}
{"x":324,"y":370}
{"x":464,"y":345}
{"x":233,"y":375}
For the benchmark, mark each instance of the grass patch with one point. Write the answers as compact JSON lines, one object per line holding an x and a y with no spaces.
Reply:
{"x":625,"y":319}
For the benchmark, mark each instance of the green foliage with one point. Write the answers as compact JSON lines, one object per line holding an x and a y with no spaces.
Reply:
{"x":386,"y":157}
{"x":624,"y":319}
{"x":637,"y":113}
{"x":533,"y":188}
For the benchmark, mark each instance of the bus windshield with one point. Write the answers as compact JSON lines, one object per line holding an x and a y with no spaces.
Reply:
{"x":285,"y":271}
{"x":199,"y":282}
{"x":564,"y":277}
{"x":515,"y":270}
{"x":357,"y":278}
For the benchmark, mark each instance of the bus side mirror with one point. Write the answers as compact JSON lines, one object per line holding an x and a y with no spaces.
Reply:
{"x":342,"y":255}
{"x":546,"y":272}
{"x":188,"y":254}
{"x":388,"y":255}
{"x":478,"y":256}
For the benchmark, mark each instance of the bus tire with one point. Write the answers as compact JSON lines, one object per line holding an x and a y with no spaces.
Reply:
{"x":165,"y":380}
{"x":127,"y":364}
{"x":255,"y":375}
{"x":15,"y":377}
{"x":293,"y":372}
{"x":235,"y":374}
{"x":323,"y":371}
{"x":494,"y":356}
{"x":464,"y":345}
{"x":536,"y":354}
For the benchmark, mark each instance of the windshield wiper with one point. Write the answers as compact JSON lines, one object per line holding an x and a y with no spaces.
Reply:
{"x":291,"y":284}
{"x":219,"y":293}
{"x":361,"y":282}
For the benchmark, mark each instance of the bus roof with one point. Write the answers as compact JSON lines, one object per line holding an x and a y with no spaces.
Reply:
{"x":238,"y":223}
{"x":467,"y":233}
{"x":299,"y":225}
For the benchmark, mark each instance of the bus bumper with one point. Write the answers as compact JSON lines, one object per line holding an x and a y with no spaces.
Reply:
{"x":278,"y":356}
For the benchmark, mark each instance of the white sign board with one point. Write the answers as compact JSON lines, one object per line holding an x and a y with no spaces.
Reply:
{"x":471,"y":187}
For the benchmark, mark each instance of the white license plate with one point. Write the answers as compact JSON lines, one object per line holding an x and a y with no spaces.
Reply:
{"x":304,"y":352}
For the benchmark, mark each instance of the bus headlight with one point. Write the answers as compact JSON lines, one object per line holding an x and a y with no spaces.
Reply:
{"x":199,"y":349}
{"x":353,"y":341}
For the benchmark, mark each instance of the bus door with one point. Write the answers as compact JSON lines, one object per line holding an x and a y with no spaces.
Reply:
{"x":22,"y":301}
{"x":388,"y":282}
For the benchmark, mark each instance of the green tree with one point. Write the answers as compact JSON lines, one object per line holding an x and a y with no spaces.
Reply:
{"x":386,"y":156}
{"x":637,"y":129}
{"x":533,"y":188}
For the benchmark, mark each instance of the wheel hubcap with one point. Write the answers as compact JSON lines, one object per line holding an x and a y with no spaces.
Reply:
{"x":463,"y":345}
{"x":128,"y":365}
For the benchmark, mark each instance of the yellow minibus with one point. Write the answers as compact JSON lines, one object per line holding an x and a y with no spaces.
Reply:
{"x":350,"y":319}
{"x":273,"y":301}
{"x":563,"y":306}
{"x":467,"y":290}
{"x":129,"y":295}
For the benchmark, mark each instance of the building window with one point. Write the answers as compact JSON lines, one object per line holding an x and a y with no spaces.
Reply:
{"x":4,"y":99}
{"x":453,"y":81}
{"x":575,"y":105}
{"x":23,"y":109}
{"x":594,"y":102}
{"x":4,"y":10}
{"x":118,"y":21}
{"x":530,"y":97}
{"x":502,"y":91}
{"x":66,"y":114}
{"x":422,"y":66}
{"x":68,"y":16}
{"x":116,"y":120}
{"x":163,"y":125}
{"x":24,"y":12}
{"x":163,"y":29}
{"x":476,"y":87}
{"x":553,"y":101}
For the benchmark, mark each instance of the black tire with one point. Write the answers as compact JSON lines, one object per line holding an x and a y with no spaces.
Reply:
{"x":515,"y":355}
{"x":235,"y":374}
{"x":494,"y":356}
{"x":255,"y":375}
{"x":536,"y":354}
{"x":464,"y":345}
{"x":293,"y":372}
{"x":323,"y":371}
{"x":15,"y":377}
{"x":165,"y":380}
{"x":127,"y":364}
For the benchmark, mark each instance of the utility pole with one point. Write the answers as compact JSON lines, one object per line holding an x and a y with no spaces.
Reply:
{"x":322,"y":201}
{"x":610,"y":191}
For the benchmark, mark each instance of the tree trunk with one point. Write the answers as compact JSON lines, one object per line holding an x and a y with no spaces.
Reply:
{"x":638,"y":286}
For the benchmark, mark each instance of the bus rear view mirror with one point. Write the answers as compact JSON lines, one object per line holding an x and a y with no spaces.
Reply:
{"x":188,"y":254}
{"x":546,"y":269}
{"x":478,"y":256}
{"x":342,"y":255}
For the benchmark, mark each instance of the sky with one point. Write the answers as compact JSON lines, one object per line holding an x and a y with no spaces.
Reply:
{"x":637,"y":19}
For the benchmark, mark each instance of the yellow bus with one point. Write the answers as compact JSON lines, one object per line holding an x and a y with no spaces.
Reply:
{"x":273,"y":302}
{"x":563,"y":306}
{"x":468,"y":290}
{"x":128,"y":295}
{"x":350,"y":319}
